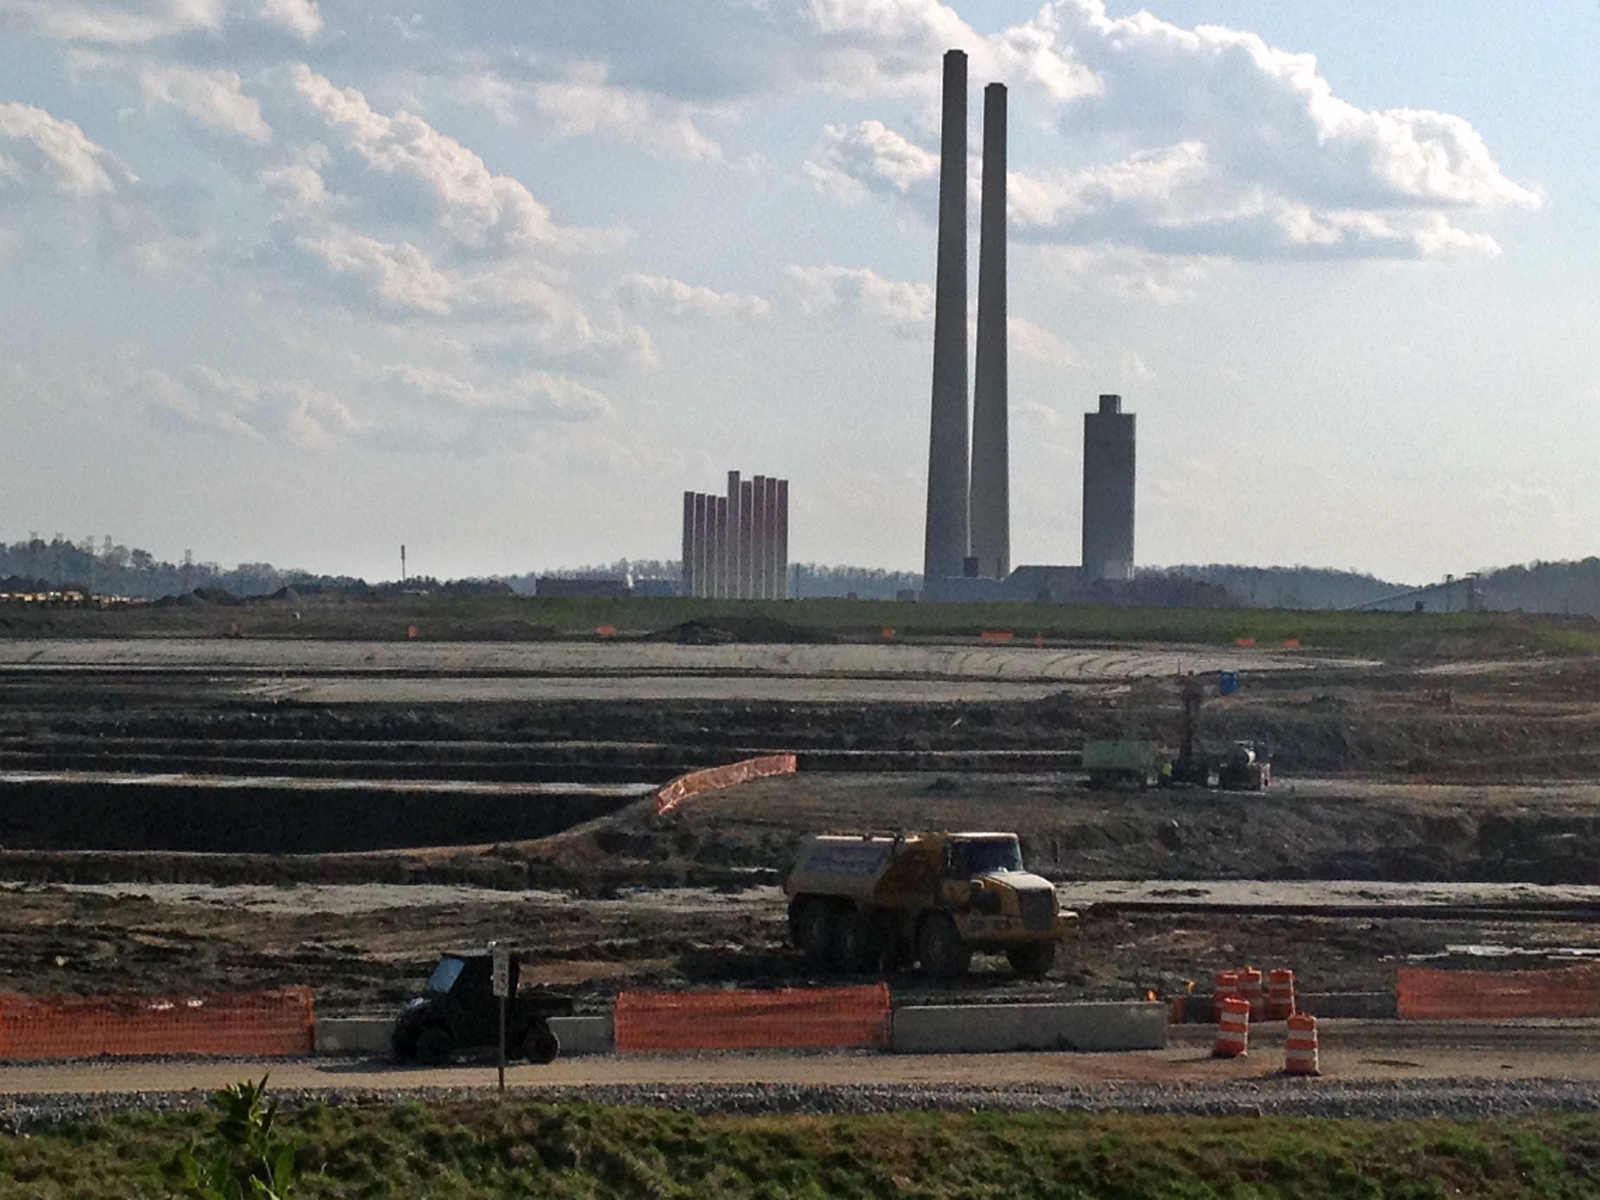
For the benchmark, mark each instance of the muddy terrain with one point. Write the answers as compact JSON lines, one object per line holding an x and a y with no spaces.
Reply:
{"x":1416,"y":768}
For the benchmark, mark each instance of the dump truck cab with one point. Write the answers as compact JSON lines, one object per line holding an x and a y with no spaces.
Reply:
{"x":869,"y":902}
{"x":459,"y":1012}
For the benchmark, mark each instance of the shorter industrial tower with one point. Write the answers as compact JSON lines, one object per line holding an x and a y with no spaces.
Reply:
{"x":1108,"y":443}
{"x":736,"y":547}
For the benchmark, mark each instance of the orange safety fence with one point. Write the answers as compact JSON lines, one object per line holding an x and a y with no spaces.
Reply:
{"x":276,"y":1022}
{"x":735,"y":1020}
{"x":692,"y":784}
{"x":1430,"y":993}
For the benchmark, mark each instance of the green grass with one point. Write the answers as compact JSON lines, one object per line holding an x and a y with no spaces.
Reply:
{"x":482,"y":1149}
{"x":505,"y":618}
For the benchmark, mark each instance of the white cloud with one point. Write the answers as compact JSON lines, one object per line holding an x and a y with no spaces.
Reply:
{"x":140,"y":22}
{"x":202,"y":397}
{"x":299,"y":183}
{"x":869,"y":156}
{"x":480,"y":210}
{"x":904,"y":307}
{"x":681,"y":300}
{"x":1130,"y":272}
{"x":1040,"y":345}
{"x":585,"y":103}
{"x":40,"y":153}
{"x":397,"y":274}
{"x":537,"y":394}
{"x":299,"y":16}
{"x":110,"y":21}
{"x":1218,"y":145}
{"x":213,"y":98}
{"x":491,"y":92}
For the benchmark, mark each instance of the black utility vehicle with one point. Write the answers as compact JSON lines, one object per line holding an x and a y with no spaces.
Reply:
{"x":458,"y":1010}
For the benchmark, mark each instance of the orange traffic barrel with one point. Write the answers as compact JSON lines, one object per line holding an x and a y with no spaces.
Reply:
{"x":1300,"y":1053}
{"x":1250,"y":989}
{"x":1226,"y":984}
{"x":1233,"y":1028}
{"x":1280,"y":994}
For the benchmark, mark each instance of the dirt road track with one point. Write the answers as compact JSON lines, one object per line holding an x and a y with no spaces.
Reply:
{"x":1351,"y":1050}
{"x":1018,"y":663}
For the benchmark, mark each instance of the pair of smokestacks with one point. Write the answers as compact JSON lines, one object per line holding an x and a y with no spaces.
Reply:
{"x":969,"y":499}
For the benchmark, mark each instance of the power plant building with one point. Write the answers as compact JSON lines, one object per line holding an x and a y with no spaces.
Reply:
{"x":1108,"y":474}
{"x":967,"y":547}
{"x":736,"y":547}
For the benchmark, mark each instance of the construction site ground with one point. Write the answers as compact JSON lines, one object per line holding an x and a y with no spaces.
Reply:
{"x":1416,"y":770}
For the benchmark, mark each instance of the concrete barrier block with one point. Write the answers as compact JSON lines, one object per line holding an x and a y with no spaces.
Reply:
{"x":1371,"y":1006}
{"x":582,"y":1035}
{"x":353,"y":1035}
{"x":998,"y":1028}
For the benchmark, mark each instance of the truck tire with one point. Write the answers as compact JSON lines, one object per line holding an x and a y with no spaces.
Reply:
{"x":944,"y":955}
{"x":816,"y":932}
{"x":1032,"y":960}
{"x":863,"y":940}
{"x":435,"y":1045}
{"x":540,"y":1045}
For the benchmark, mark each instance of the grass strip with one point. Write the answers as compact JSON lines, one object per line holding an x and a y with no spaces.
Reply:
{"x":483,"y":1149}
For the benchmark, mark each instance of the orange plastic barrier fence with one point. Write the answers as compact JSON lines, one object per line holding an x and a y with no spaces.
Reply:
{"x":275,"y":1022}
{"x":1425,"y":993}
{"x":996,"y":635}
{"x":692,"y":784}
{"x":788,"y":1017}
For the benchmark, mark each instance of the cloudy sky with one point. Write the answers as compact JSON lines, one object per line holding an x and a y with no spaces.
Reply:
{"x":300,"y":280}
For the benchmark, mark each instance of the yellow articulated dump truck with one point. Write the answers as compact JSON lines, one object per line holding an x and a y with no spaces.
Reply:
{"x":870,"y":902}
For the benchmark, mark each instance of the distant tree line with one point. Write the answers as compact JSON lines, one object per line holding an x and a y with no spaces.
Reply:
{"x":1285,"y":587}
{"x":111,"y":569}
{"x":1546,"y":587}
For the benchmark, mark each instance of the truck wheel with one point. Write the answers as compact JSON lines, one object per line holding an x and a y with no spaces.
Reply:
{"x":434,"y":1045}
{"x":862,"y":941}
{"x":944,"y":955}
{"x":1032,"y":960}
{"x":815,"y":933}
{"x":541,"y":1045}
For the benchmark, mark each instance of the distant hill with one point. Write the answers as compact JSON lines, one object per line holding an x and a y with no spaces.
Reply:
{"x":1544,"y":587}
{"x":1287,"y":587}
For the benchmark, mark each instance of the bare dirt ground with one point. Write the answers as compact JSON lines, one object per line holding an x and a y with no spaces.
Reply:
{"x":1351,"y":1051}
{"x":1388,"y":773}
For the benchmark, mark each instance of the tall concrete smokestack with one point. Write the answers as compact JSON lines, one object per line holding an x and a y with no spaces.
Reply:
{"x":945,"y":544}
{"x":991,"y":455}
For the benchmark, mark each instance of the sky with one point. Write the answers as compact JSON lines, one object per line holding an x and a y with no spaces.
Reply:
{"x":299,"y":281}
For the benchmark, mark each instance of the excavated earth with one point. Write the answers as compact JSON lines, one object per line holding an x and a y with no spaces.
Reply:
{"x":1404,"y":772}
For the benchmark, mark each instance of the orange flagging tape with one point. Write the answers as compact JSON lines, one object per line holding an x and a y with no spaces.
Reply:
{"x":1465,"y":995}
{"x":692,"y":784}
{"x":277,"y":1022}
{"x":735,"y":1020}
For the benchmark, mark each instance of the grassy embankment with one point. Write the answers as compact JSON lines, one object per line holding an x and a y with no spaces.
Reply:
{"x":509,"y":618}
{"x":483,"y":1150}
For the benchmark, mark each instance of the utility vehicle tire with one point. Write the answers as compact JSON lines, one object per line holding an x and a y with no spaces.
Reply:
{"x":862,"y":941}
{"x":434,"y":1046}
{"x":816,"y":932}
{"x":540,"y":1046}
{"x":1032,"y":960}
{"x":944,"y":955}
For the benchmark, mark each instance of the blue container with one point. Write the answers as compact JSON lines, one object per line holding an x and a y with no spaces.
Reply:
{"x":1228,"y":682}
